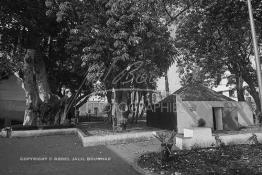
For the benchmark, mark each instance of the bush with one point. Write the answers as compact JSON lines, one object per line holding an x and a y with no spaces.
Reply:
{"x":195,"y":147}
{"x":253,"y":139}
{"x":167,"y":141}
{"x":219,"y":142}
{"x":201,"y":123}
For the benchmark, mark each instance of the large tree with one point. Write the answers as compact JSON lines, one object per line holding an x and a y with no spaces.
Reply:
{"x":125,"y":45}
{"x":35,"y":45}
{"x":25,"y":26}
{"x":216,"y":37}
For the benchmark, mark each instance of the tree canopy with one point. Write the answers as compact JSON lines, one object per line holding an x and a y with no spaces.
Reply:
{"x":216,"y":37}
{"x":122,"y":44}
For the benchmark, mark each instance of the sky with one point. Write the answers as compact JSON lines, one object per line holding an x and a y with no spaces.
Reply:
{"x":174,"y":80}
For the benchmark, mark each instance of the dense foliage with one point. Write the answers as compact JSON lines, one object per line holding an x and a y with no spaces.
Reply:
{"x":215,"y":37}
{"x":121,"y":44}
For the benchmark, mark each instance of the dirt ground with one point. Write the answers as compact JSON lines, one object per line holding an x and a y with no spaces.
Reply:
{"x":228,"y":160}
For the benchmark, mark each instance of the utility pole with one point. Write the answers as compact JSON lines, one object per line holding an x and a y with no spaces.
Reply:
{"x":258,"y":65}
{"x":166,"y":84}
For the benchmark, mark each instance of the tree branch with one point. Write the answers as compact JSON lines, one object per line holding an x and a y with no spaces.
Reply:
{"x":173,"y":18}
{"x":84,"y":100}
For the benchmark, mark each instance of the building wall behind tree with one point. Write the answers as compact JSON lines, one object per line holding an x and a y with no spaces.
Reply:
{"x":90,"y":107}
{"x":12,"y":99}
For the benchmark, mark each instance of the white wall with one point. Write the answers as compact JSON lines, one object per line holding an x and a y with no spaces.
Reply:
{"x":189,"y":112}
{"x":245,"y":115}
{"x":90,"y":105}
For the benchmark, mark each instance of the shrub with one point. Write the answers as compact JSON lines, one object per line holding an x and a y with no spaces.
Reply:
{"x":219,"y":142}
{"x":253,"y":139}
{"x":167,"y":141}
{"x":201,"y":123}
{"x":195,"y":147}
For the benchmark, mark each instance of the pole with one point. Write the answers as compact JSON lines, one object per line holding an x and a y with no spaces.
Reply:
{"x":258,"y":65}
{"x":166,"y":84}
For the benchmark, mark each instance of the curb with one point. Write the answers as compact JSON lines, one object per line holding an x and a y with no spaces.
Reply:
{"x":114,"y":139}
{"x":40,"y":132}
{"x":93,"y":140}
{"x":86,"y":140}
{"x":121,"y":138}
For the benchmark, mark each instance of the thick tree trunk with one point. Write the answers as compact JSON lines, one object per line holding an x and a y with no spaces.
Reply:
{"x":50,"y":109}
{"x":44,"y":90}
{"x":35,"y":84}
{"x":60,"y":113}
{"x":63,"y":115}
{"x":255,"y":95}
{"x":31,"y":91}
{"x":42,"y":79}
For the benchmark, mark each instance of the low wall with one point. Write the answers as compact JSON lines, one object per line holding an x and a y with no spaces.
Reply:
{"x":190,"y":142}
{"x":114,"y":139}
{"x":40,"y":132}
{"x":86,"y":140}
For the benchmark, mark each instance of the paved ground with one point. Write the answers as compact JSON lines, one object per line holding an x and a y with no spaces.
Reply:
{"x":130,"y":152}
{"x":67,"y":147}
